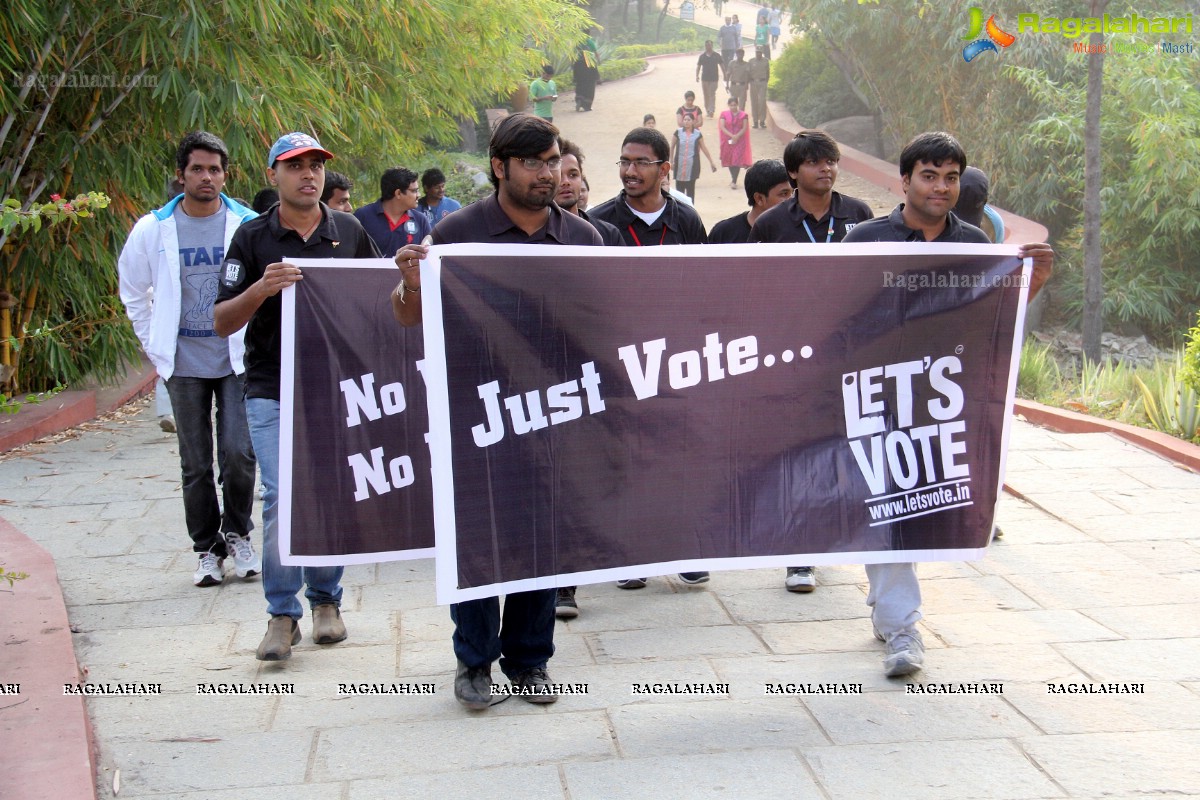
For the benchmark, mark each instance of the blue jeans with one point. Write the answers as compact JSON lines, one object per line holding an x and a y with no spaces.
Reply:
{"x":282,"y":583}
{"x":192,"y":401}
{"x":526,"y":639}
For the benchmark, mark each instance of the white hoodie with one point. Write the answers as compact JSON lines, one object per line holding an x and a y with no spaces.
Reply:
{"x":151,"y":288}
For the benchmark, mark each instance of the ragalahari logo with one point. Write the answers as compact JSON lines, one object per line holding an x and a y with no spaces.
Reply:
{"x":995,"y":36}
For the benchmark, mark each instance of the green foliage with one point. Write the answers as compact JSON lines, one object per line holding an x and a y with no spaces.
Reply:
{"x":97,"y":94}
{"x":807,"y":82}
{"x":1038,"y":374}
{"x":1105,"y":384}
{"x":1171,"y":404}
{"x":1190,"y":374}
{"x":1020,"y":115}
{"x":621,"y":68}
{"x":14,"y":218}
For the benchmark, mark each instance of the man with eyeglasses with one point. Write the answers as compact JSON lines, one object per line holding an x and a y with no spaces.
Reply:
{"x":526,"y":164}
{"x":643,"y":213}
{"x":815,"y":214}
{"x":646,"y":215}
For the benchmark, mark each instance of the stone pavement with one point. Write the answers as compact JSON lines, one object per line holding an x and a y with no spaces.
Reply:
{"x":1097,"y":580}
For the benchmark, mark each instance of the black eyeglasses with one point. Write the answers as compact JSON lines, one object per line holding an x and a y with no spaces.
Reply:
{"x":535,"y":164}
{"x":640,"y":163}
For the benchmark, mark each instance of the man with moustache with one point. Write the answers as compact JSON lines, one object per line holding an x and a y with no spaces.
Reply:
{"x":570,"y":192}
{"x":526,"y":167}
{"x":254,"y":273}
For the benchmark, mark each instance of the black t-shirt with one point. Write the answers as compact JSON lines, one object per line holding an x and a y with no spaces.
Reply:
{"x":608,"y":232}
{"x":709,"y":64}
{"x":263,"y":241}
{"x":678,"y":223}
{"x":735,"y":230}
{"x":892,"y":229}
{"x":785,"y":223}
{"x":485,"y":221}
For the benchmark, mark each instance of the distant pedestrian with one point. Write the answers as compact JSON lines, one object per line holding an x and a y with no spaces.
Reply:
{"x":734,"y":126}
{"x":760,"y":75}
{"x":586,"y":73}
{"x":728,"y":39}
{"x":775,"y":20}
{"x":687,"y":145}
{"x":710,"y":69}
{"x":648,"y":121}
{"x":689,"y":109}
{"x":737,"y":72}
{"x":544,"y":94}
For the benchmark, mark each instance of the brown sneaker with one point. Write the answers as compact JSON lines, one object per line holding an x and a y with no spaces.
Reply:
{"x":282,"y":633}
{"x":327,"y":624}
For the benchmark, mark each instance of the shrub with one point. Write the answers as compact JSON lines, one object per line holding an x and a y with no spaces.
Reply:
{"x":1172,"y":405}
{"x":1190,"y":373}
{"x":811,"y":87}
{"x":621,"y":68}
{"x":1038,"y":375}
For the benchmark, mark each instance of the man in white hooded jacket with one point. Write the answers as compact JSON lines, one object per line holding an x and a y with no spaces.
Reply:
{"x":168,"y":282}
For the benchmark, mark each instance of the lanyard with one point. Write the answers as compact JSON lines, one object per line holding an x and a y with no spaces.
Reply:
{"x":633,"y":233}
{"x":828,"y":234}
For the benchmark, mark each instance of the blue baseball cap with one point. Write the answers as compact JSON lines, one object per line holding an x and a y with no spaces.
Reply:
{"x":291,"y":145}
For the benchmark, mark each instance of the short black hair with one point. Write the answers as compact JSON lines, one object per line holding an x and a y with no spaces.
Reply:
{"x":653,"y":138}
{"x":263,"y":201}
{"x":396,"y":178}
{"x":568,"y":148}
{"x":933,"y":147}
{"x":174,"y":187}
{"x":520,"y":136}
{"x":200,"y":140}
{"x":648,"y":118}
{"x":764,"y":176}
{"x":333,"y":182}
{"x":432,"y":177}
{"x":547,"y":69}
{"x":689,"y":93}
{"x":809,"y":144}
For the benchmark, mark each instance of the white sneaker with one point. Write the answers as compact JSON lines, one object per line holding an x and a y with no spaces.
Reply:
{"x":800,"y":579}
{"x":246,"y":562}
{"x":905,"y":652}
{"x":210,"y":570}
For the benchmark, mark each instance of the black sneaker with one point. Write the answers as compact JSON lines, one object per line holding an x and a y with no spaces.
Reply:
{"x":473,"y":686}
{"x":692,"y":578}
{"x":565,"y":606}
{"x":533,"y":686}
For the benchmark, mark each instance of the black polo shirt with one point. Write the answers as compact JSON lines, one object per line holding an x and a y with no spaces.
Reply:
{"x":892,"y":229}
{"x":784,"y":224}
{"x":608,"y":232}
{"x":263,"y":241}
{"x":710,"y":64}
{"x":735,"y":230}
{"x":485,"y":221}
{"x":678,"y":223}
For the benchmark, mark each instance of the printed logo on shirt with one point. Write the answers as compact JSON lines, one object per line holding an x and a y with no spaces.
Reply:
{"x":232,"y":273}
{"x":850,"y":226}
{"x":201,"y":256}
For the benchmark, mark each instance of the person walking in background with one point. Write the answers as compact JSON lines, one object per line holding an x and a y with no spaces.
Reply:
{"x":167,"y":273}
{"x":734,"y":126}
{"x":687,"y":144}
{"x":648,"y":121}
{"x":737,"y":72}
{"x":544,"y":94}
{"x":775,"y":20}
{"x":760,"y":74}
{"x":689,"y":109}
{"x":710,"y":69}
{"x":586,"y":73}
{"x":727,"y":37}
{"x":435,"y":205}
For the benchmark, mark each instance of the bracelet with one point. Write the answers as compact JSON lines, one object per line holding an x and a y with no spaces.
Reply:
{"x":404,"y":289}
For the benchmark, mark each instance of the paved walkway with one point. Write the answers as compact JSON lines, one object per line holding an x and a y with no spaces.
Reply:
{"x":1096,"y":581}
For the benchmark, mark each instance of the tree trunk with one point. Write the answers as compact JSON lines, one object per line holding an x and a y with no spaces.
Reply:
{"x":1093,"y":275}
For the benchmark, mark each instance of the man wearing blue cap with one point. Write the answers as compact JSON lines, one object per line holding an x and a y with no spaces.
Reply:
{"x":255,"y":271}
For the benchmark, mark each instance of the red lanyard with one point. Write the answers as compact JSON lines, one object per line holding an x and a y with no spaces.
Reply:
{"x":632,"y":233}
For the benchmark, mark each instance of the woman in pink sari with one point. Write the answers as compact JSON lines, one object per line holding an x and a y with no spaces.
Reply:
{"x":734,"y":125}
